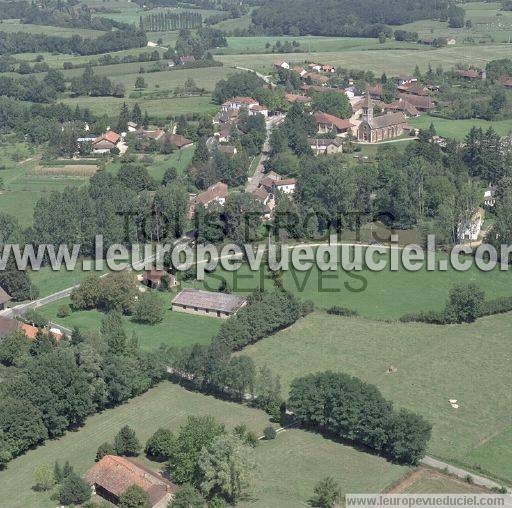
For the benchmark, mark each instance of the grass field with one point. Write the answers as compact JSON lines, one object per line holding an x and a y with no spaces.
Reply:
{"x":13,"y":25}
{"x":393,"y":61}
{"x":307,"y":44}
{"x":158,"y":109}
{"x":382,"y":295}
{"x":459,"y":128}
{"x":176,"y":329}
{"x":470,"y":363}
{"x":289,"y":466}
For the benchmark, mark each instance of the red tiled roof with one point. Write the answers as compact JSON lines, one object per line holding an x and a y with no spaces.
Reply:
{"x":241,"y":100}
{"x":418,"y":101}
{"x":471,"y":73}
{"x":285,"y":181}
{"x":327,"y":119}
{"x":115,"y":474}
{"x":216,"y":191}
{"x":178,"y":140}
{"x":157,"y":134}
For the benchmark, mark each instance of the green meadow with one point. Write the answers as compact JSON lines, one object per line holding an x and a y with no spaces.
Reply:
{"x":288,"y":467}
{"x":468,"y":362}
{"x":459,"y":128}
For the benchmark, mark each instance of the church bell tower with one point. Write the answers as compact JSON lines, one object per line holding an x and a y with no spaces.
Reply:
{"x":367,"y":109}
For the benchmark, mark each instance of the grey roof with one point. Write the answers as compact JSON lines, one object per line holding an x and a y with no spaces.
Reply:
{"x":325,"y":142}
{"x":7,"y":326}
{"x":4,"y":296}
{"x":387,"y":120}
{"x":222,"y":302}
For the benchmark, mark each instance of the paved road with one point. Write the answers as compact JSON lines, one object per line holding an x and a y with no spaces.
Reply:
{"x":261,"y":76}
{"x":254,"y":181}
{"x":19,"y":310}
{"x":461,"y":473}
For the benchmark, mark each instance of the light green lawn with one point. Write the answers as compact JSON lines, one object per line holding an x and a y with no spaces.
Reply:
{"x":12,"y":25}
{"x":391,"y":61}
{"x":381,"y":295}
{"x":459,"y":128}
{"x":159,"y":109}
{"x":176,"y":329}
{"x":288,"y":467}
{"x":470,"y":363}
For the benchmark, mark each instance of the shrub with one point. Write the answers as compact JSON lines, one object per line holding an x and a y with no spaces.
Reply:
{"x":161,"y":444}
{"x":269,"y":433}
{"x":126,"y":442}
{"x":105,"y":449}
{"x":307,"y":307}
{"x":341,"y":311}
{"x":148,"y":309}
{"x":74,"y":490}
{"x":64,"y":311}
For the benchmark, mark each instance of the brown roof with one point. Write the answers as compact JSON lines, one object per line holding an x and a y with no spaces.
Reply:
{"x":154,"y":275}
{"x":418,"y":101}
{"x":326,"y":119}
{"x":403,"y":105}
{"x":291,"y":97}
{"x":506,"y":81}
{"x":116,"y":474}
{"x":387,"y":120}
{"x":260,"y":193}
{"x":471,"y":73}
{"x":222,"y":302}
{"x":413,"y":88}
{"x":110,"y":136}
{"x":4,"y":296}
{"x":375,"y":90}
{"x":285,"y":181}
{"x":177,"y":140}
{"x":216,"y":191}
{"x":316,"y":78}
{"x":153,"y":134}
{"x":240,"y":100}
{"x":8,"y":325}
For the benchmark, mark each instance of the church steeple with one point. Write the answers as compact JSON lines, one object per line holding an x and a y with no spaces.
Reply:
{"x":367,"y":108}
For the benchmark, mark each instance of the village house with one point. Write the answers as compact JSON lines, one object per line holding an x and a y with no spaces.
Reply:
{"x":156,"y":134}
{"x":8,"y":326}
{"x":317,"y":79}
{"x":301,"y":99}
{"x":208,"y":303}
{"x":264,"y":196}
{"x":258,"y":109}
{"x":300,"y":71}
{"x":315,"y":67}
{"x":281,"y":64}
{"x":106,"y":142}
{"x":325,"y":146}
{"x":216,"y":193}
{"x":328,"y":69}
{"x":237,"y":103}
{"x":405,"y":79}
{"x":413,"y":89}
{"x":153,"y":278}
{"x":285,"y":185}
{"x":112,"y":475}
{"x":178,"y":141}
{"x":421,"y":103}
{"x":375,"y":91}
{"x":380,"y":128}
{"x":506,"y":81}
{"x":471,"y":73}
{"x":133,"y":127}
{"x":4,"y":298}
{"x":327,"y":123}
{"x":267,"y":182}
{"x":470,"y":229}
{"x":404,"y":106}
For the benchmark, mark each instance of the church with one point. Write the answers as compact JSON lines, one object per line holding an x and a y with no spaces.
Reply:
{"x":380,"y":128}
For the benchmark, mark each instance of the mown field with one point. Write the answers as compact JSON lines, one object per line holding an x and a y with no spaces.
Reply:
{"x":158,"y":109}
{"x":470,"y":363}
{"x":176,"y":329}
{"x":289,"y":466}
{"x":14,"y":25}
{"x":459,"y":128}
{"x":380,"y":295}
{"x":393,"y":61}
{"x":489,"y":23}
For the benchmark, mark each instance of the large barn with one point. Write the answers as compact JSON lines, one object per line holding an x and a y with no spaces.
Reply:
{"x":208,"y":303}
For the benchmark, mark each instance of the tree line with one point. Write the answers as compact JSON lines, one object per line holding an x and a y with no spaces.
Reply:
{"x":166,"y":21}
{"x":366,"y":18}
{"x":22,"y":42}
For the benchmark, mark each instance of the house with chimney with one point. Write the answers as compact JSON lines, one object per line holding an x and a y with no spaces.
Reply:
{"x":327,"y":123}
{"x":325,"y":146}
{"x":106,"y":142}
{"x":216,"y":193}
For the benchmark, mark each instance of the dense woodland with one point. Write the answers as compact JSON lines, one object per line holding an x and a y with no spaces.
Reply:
{"x":366,"y":18}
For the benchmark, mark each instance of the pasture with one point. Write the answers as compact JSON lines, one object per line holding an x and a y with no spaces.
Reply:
{"x":176,"y":329}
{"x":459,"y":128}
{"x":288,"y":467}
{"x":393,"y":61}
{"x":378,"y":295}
{"x":14,"y":25}
{"x":469,"y":362}
{"x":158,"y":109}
